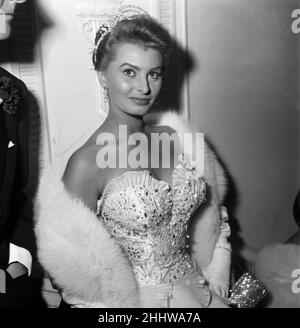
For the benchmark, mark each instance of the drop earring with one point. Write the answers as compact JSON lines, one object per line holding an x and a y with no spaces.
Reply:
{"x":105,"y":94}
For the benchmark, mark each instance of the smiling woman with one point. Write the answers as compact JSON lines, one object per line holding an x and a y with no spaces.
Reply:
{"x":133,"y":80}
{"x":118,"y":237}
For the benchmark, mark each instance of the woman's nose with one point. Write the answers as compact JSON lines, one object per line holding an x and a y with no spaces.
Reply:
{"x":142,"y":85}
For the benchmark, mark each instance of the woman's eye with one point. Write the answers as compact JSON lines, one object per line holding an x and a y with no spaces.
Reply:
{"x":155,"y":75}
{"x":129,"y":72}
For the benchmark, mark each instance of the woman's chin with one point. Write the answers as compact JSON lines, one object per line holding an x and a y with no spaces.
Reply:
{"x":141,"y":111}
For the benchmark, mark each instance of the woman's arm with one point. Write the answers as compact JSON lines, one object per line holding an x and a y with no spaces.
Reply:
{"x":218,"y":271}
{"x":211,"y":249}
{"x":81,"y":178}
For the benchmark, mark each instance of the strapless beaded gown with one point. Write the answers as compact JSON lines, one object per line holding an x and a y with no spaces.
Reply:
{"x":149,"y":219}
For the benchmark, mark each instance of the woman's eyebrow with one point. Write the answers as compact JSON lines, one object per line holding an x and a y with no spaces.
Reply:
{"x":138,"y":68}
{"x":131,"y":65}
{"x":155,"y":68}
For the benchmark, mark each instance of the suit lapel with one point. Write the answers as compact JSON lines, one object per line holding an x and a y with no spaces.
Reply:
{"x":8,"y":165}
{"x":11,"y":157}
{"x":3,"y":141}
{"x":3,"y":147}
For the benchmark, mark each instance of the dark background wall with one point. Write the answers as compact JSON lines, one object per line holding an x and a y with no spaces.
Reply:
{"x":244,"y":93}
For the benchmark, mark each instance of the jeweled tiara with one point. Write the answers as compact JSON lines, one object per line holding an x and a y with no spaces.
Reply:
{"x":123,"y":12}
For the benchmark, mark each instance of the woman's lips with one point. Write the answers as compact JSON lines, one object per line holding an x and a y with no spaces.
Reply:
{"x":140,"y":101}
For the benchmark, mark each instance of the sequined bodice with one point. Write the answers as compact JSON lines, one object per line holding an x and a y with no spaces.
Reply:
{"x":149,"y":219}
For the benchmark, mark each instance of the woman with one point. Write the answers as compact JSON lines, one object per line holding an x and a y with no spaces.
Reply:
{"x":117,"y":236}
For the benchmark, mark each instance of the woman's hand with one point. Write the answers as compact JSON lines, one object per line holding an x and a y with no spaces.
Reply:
{"x":218,"y":271}
{"x":222,"y":291}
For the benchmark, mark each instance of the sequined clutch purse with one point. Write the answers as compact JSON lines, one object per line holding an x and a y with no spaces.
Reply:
{"x":247,"y":292}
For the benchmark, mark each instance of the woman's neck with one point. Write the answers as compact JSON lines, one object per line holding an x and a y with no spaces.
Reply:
{"x":132,"y":122}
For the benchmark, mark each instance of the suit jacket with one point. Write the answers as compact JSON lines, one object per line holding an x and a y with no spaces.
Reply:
{"x":79,"y":253}
{"x":14,"y":129}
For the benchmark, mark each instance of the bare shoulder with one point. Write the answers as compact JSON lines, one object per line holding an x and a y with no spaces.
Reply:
{"x":80,"y":162}
{"x":82,"y":177}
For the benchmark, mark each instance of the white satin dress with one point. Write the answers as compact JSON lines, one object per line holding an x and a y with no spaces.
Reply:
{"x":149,"y":219}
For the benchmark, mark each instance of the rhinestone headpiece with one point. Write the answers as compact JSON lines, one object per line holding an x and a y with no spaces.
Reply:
{"x":123,"y":12}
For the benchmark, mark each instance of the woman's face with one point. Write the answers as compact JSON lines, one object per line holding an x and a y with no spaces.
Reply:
{"x":133,"y":79}
{"x":7,"y":8}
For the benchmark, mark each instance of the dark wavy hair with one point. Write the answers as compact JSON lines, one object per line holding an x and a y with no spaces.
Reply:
{"x":141,"y":30}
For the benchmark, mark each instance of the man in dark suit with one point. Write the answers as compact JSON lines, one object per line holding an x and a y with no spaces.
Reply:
{"x":16,"y":234}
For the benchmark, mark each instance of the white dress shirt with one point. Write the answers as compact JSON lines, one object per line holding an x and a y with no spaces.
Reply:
{"x":21,"y":255}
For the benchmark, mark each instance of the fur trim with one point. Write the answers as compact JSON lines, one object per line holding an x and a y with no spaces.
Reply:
{"x":78,"y":252}
{"x":205,"y":228}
